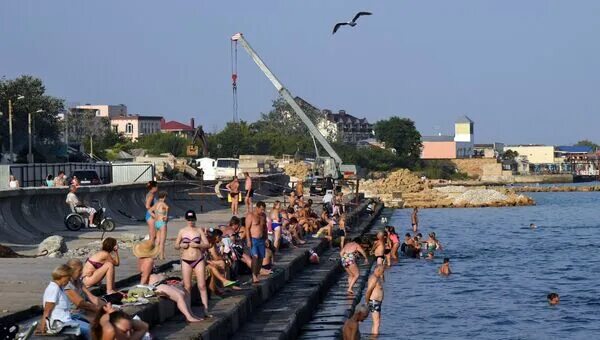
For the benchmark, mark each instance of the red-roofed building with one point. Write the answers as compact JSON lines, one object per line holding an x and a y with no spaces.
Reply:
{"x":177,"y":128}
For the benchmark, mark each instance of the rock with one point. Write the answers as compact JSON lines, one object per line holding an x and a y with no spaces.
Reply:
{"x":130,"y":237}
{"x":52,"y":244}
{"x":55,"y":254}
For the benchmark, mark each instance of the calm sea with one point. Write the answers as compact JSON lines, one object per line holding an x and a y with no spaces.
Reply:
{"x":503,"y":271}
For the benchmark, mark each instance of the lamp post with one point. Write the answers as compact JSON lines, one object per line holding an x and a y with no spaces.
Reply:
{"x":30,"y":154}
{"x":10,"y":127}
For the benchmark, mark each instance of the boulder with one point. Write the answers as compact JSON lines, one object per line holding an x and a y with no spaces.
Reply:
{"x":52,"y":244}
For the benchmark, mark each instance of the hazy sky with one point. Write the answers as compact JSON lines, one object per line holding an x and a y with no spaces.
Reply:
{"x":526,"y":71}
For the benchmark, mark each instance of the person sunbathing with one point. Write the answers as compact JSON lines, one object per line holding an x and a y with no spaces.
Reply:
{"x":102,"y":265}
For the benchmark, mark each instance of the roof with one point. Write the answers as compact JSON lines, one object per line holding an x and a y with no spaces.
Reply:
{"x":464,"y":119}
{"x":136,"y":117}
{"x":574,"y":149}
{"x":437,"y":138}
{"x":344,"y":118}
{"x":175,"y":126}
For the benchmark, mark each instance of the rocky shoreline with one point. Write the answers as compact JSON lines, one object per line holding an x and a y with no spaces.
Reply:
{"x":402,"y":189}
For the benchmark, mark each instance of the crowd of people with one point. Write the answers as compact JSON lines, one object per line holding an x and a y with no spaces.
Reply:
{"x":385,"y":249}
{"x":217,"y":257}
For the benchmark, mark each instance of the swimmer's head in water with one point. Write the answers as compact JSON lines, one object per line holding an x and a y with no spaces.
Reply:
{"x":446,"y":260}
{"x":407,"y":235}
{"x":553,"y":299}
{"x":532,"y":225}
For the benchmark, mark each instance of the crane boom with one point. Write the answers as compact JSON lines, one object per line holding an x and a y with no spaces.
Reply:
{"x":288,"y":98}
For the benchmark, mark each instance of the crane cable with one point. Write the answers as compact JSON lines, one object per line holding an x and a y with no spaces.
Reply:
{"x":234,"y":79}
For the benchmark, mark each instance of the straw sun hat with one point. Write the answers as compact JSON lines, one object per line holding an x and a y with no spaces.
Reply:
{"x":145,"y":249}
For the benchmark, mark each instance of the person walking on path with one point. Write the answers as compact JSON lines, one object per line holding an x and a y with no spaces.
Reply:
{"x":374,"y":297}
{"x":234,"y":193}
{"x":151,"y":200}
{"x":348,"y":255}
{"x":256,"y":233}
{"x":249,"y":192}
{"x":351,"y":331}
{"x":415,"y":219}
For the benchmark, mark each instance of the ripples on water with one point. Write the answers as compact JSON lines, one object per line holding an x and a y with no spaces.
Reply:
{"x":502,"y":273}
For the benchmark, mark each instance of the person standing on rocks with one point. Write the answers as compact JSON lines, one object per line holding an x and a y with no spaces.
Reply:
{"x":234,"y":193}
{"x":256,"y":233}
{"x":348,"y":255}
{"x":351,"y":331}
{"x":374,"y":297}
{"x":249,"y":192}
{"x":415,"y":219}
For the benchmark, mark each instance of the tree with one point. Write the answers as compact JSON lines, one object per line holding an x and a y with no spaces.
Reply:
{"x":509,"y":155}
{"x":401,"y":135}
{"x":589,"y":143}
{"x":45,"y":126}
{"x":158,"y":143}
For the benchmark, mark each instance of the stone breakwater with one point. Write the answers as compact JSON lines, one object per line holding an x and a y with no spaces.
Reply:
{"x":556,"y":188}
{"x":402,"y":189}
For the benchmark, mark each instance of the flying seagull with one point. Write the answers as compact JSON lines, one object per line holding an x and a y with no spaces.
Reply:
{"x":351,"y":23}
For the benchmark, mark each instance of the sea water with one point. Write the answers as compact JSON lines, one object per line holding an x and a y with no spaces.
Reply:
{"x":502,"y":272}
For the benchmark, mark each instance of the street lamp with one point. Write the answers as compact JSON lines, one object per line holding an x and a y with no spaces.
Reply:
{"x":30,"y":154}
{"x":10,"y":126}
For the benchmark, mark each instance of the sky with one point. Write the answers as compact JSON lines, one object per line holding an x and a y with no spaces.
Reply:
{"x":524,"y":71}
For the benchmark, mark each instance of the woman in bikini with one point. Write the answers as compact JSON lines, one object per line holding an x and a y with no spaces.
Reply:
{"x":348,"y":256}
{"x":160,"y":213}
{"x":151,"y":200}
{"x":193,"y":244}
{"x":394,"y":241}
{"x":102,"y":264}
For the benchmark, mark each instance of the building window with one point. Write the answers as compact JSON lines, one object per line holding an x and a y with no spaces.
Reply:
{"x":129,"y":128}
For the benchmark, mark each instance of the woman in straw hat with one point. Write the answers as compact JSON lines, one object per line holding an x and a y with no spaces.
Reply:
{"x":146,"y":252}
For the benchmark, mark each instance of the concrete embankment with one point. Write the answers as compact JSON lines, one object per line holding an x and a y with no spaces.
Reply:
{"x":561,"y":188}
{"x":239,"y":306}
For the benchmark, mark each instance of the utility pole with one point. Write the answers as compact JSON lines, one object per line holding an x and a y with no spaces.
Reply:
{"x":30,"y":154}
{"x":10,"y":132}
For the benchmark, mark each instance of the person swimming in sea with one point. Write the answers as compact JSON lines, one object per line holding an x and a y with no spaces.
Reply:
{"x":553,"y":299}
{"x":532,"y":226}
{"x":445,"y":268}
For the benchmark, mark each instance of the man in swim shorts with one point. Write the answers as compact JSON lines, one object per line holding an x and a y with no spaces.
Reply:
{"x":374,"y":296}
{"x":256,"y":233}
{"x":249,"y":192}
{"x":415,"y":219}
{"x":234,"y":193}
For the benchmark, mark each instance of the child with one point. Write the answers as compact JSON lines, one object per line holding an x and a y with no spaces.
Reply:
{"x":160,"y":212}
{"x":445,"y":268}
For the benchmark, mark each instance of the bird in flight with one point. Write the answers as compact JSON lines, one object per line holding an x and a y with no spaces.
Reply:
{"x":350,"y":23}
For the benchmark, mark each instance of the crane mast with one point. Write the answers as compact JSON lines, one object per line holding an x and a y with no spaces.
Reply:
{"x":288,"y":98}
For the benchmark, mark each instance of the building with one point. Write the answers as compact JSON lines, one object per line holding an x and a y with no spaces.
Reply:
{"x":492,"y":150}
{"x":344,"y":127}
{"x":461,"y":145}
{"x":108,"y":111}
{"x":536,"y":154}
{"x":177,"y":128}
{"x":135,"y":126}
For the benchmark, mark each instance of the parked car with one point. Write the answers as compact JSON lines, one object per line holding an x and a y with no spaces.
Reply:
{"x":86,"y":177}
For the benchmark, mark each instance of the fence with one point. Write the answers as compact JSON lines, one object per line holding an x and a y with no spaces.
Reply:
{"x":4,"y":176}
{"x":34,"y":175}
{"x":132,"y":172}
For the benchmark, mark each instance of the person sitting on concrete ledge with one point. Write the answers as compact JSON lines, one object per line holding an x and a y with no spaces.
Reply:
{"x":102,"y":264}
{"x":216,"y":264}
{"x":84,"y":304}
{"x":111,"y":324}
{"x":146,"y":252}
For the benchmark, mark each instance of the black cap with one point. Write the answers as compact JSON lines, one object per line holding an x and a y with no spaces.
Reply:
{"x":190,"y":215}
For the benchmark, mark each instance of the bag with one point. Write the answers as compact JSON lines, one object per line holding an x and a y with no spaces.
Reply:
{"x":114,"y":298}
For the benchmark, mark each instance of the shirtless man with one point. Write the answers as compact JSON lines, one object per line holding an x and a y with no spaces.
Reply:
{"x":256,"y":233}
{"x":415,"y":219}
{"x":445,"y":268}
{"x":234,"y":192}
{"x":249,"y":192}
{"x":348,"y":257}
{"x":374,"y":297}
{"x":351,"y":330}
{"x":276,"y":224}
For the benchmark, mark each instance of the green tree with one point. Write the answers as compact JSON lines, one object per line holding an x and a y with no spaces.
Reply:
{"x":45,"y":126}
{"x":401,"y":135}
{"x":158,"y":143}
{"x":589,"y":143}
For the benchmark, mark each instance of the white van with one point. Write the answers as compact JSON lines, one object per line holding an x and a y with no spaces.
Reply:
{"x":226,"y":168}
{"x":208,"y":166}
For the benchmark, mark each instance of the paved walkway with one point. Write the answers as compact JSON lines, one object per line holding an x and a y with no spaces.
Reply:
{"x":23,"y":280}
